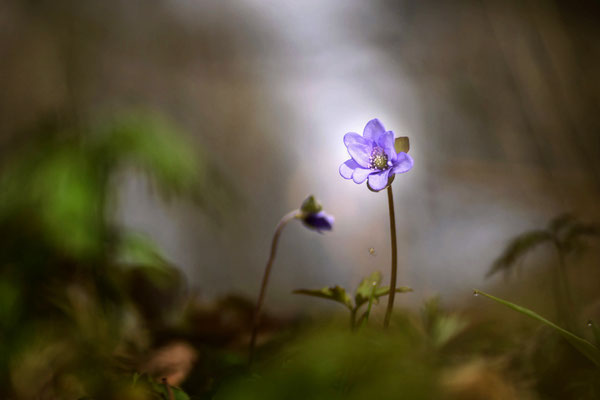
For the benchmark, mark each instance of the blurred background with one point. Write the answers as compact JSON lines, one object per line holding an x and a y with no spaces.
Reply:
{"x":198,"y":124}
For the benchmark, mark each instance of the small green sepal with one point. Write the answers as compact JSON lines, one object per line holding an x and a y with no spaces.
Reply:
{"x":402,"y":144}
{"x":310,"y":205}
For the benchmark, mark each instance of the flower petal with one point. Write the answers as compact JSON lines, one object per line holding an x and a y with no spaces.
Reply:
{"x":347,"y":168}
{"x":359,"y":148}
{"x":319,"y":221}
{"x":361,"y":174}
{"x":403,"y":163}
{"x":351,"y":138}
{"x":373,"y":130}
{"x":386,"y":142}
{"x":379,"y":181}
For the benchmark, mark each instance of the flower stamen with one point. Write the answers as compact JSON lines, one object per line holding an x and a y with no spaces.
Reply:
{"x":378,"y":159}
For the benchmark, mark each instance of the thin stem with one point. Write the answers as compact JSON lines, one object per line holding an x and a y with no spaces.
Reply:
{"x":390,"y":306}
{"x":353,"y":318}
{"x":263,"y":289}
{"x":369,"y":306}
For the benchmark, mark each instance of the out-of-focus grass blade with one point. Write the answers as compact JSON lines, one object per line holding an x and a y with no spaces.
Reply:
{"x":583,"y":346}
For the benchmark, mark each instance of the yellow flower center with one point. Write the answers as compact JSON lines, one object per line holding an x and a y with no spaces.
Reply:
{"x":378,"y":159}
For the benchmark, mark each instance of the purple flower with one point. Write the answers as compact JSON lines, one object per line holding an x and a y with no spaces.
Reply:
{"x":318,"y":221}
{"x":373,"y":156}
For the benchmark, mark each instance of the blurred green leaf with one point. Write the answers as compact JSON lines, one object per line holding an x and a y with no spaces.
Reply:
{"x":335,"y":293}
{"x":583,"y":346}
{"x":439,"y":325}
{"x":517,"y":248}
{"x":72,"y":197}
{"x":561,"y":222}
{"x":60,"y":192}
{"x":157,"y":147}
{"x":139,"y":250}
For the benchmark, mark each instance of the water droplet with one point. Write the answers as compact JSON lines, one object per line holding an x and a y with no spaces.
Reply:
{"x":475,"y":293}
{"x":374,"y":283}
{"x":590,"y":323}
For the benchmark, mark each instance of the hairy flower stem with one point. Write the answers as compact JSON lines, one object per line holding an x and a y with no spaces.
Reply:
{"x":390,"y":306}
{"x":263,"y":288}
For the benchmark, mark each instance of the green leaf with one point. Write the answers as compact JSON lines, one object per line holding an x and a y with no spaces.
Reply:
{"x":385,"y":290}
{"x":365,"y":288}
{"x":335,"y":293}
{"x":583,"y":346}
{"x":402,"y":144}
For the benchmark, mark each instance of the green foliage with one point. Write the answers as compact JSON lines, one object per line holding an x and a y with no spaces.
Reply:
{"x":167,"y":392}
{"x":583,"y":346}
{"x":331,"y":363}
{"x":566,"y":235}
{"x":334,"y":293}
{"x":385,"y":290}
{"x":366,"y":288}
{"x":440,"y":327}
{"x":368,"y":291}
{"x":59,"y":190}
{"x":76,"y":291}
{"x":517,"y":248}
{"x":137,"y":249}
{"x":155,"y":146}
{"x":565,"y":232}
